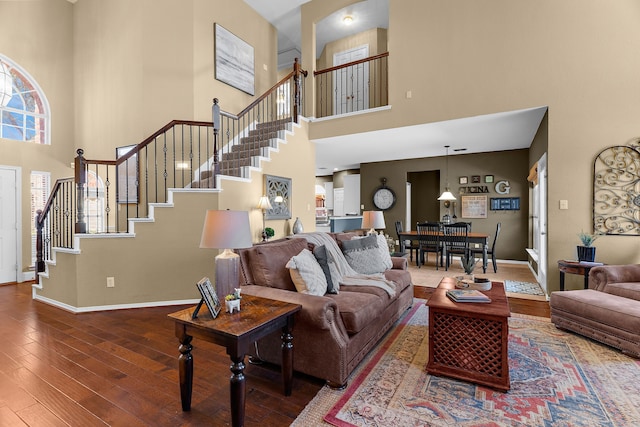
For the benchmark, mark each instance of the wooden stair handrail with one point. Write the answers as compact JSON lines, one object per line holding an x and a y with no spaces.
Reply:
{"x":349,"y":64}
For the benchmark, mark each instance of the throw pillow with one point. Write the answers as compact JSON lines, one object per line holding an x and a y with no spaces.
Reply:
{"x":384,"y":252}
{"x":320,"y":252}
{"x":306,"y":274}
{"x":363,"y":255}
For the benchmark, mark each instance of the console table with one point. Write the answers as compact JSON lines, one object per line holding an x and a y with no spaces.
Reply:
{"x":257,"y":318}
{"x":581,"y":268}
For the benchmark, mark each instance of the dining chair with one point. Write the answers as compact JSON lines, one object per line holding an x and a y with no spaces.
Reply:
{"x":491,"y":251}
{"x":456,"y":241}
{"x":408,"y":244}
{"x":428,"y":241}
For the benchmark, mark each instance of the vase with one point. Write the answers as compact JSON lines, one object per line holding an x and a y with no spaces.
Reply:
{"x":297,"y":226}
{"x":232,"y":305}
{"x":586,"y":253}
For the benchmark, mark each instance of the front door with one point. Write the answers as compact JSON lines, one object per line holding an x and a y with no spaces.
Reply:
{"x":351,"y":84}
{"x":8,"y":226}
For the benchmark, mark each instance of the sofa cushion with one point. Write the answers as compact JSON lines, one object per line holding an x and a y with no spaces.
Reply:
{"x":383,"y":248}
{"x":306,"y":274}
{"x":320,"y":252}
{"x":268,"y":263}
{"x":363,"y":255}
{"x":358,"y":309}
{"x":626,"y":290}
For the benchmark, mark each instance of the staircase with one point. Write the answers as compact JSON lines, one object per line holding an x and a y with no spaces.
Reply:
{"x":256,"y":145}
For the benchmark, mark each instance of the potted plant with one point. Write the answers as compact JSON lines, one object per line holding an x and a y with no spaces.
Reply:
{"x":468,"y":264}
{"x":269,"y":232}
{"x":587,"y":252}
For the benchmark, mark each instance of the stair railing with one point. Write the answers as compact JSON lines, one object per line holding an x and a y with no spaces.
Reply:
{"x":105,"y":194}
{"x":354,"y":86}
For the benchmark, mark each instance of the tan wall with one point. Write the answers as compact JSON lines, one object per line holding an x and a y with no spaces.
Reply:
{"x":465,"y":58}
{"x":163,"y":261}
{"x":38,"y":36}
{"x":506,"y":165}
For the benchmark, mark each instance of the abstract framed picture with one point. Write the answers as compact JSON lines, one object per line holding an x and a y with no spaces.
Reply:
{"x":234,"y":60}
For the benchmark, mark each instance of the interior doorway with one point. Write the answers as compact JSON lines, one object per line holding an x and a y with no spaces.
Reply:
{"x":9,"y":227}
{"x":351,"y":84}
{"x":425,"y":189}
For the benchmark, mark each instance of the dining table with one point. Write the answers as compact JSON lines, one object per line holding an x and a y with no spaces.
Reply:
{"x":473,"y":237}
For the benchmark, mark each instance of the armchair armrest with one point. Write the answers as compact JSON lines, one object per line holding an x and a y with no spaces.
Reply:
{"x":399,"y":263}
{"x":600,"y":276}
{"x":319,"y":311}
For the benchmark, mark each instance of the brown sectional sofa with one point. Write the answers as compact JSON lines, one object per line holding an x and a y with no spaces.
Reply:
{"x":334,"y":332}
{"x":608,"y":312}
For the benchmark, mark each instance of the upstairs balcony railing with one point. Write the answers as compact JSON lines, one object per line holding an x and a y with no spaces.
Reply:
{"x":104,"y":194}
{"x":355,"y":86}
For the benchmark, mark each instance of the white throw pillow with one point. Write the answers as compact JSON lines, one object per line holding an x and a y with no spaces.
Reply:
{"x":306,"y":274}
{"x":384,"y":252}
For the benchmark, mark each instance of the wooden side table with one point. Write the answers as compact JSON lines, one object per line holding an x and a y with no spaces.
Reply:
{"x":258,"y":317}
{"x":581,"y":268}
{"x":470,"y":341}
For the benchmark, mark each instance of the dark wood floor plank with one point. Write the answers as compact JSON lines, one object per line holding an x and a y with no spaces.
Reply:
{"x":121,"y":368}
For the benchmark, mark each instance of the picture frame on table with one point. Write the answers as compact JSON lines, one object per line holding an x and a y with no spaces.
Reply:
{"x":209,"y":297}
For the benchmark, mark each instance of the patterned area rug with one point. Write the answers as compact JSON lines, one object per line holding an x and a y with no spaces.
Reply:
{"x":523,"y":287}
{"x":557,"y":379}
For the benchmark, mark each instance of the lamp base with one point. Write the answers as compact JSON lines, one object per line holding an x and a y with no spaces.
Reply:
{"x":227,"y":273}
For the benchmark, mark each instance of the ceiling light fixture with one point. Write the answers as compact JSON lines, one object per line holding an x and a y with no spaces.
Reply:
{"x":447,"y":195}
{"x":348,"y":20}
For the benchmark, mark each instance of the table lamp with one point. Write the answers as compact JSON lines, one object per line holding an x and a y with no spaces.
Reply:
{"x":373,"y":220}
{"x":226,"y":230}
{"x":264,"y":204}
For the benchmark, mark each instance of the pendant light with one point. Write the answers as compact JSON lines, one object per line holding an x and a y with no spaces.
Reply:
{"x":447,"y":195}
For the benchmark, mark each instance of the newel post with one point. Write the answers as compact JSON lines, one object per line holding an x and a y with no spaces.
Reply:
{"x":296,"y":89}
{"x":39,"y":242}
{"x":215,"y":112}
{"x":81,"y":180}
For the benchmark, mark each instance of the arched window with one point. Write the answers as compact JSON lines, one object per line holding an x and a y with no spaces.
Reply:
{"x":25,"y":117}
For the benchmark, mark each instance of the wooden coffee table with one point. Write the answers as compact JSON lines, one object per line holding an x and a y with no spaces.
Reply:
{"x":470,"y":341}
{"x":258,"y":317}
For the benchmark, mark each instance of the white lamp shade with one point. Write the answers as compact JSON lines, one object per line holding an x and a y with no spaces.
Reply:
{"x":264,"y":203}
{"x":373,"y":219}
{"x":6,"y":85}
{"x":226,"y":230}
{"x":446,"y":195}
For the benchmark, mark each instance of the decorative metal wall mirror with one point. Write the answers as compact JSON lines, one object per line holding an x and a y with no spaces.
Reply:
{"x":278,"y":191}
{"x":616,"y":190}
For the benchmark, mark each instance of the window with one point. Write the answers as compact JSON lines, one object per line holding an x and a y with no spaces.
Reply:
{"x":40,"y":188}
{"x":26,"y":116}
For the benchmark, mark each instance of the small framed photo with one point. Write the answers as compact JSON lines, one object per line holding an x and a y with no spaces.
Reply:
{"x":209,"y":296}
{"x":488,"y":179}
{"x":475,"y":179}
{"x":463,"y":180}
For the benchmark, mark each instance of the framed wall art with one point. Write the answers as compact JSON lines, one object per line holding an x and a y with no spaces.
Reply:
{"x":278,"y":190}
{"x":474,"y":206}
{"x":234,"y":60}
{"x":127,"y":176}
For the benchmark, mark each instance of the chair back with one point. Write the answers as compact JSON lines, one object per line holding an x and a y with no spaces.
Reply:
{"x":399,"y":228}
{"x":495,"y":238}
{"x":457,"y":237}
{"x":428,"y":235}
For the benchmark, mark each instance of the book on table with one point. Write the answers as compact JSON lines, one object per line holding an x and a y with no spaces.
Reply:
{"x":467,"y":295}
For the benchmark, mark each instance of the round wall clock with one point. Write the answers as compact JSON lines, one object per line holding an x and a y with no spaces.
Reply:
{"x":384,"y":198}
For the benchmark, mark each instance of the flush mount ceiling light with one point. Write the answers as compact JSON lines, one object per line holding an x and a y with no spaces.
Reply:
{"x":348,"y":20}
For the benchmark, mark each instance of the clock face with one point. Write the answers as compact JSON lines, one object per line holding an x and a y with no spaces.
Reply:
{"x":384,"y":198}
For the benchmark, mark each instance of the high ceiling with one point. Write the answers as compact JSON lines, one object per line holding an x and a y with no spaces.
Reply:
{"x":494,"y":132}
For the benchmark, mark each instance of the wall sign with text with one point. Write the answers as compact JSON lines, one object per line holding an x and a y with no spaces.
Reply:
{"x":505,"y":203}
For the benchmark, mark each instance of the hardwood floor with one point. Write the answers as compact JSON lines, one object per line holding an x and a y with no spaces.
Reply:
{"x":120,"y":368}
